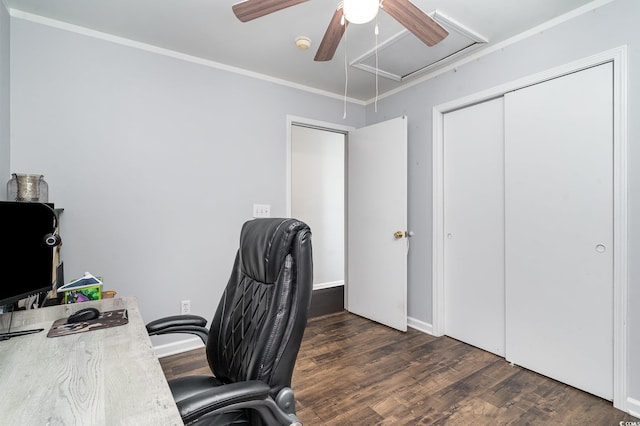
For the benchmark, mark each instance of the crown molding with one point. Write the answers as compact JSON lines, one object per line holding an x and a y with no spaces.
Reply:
{"x":53,"y":23}
{"x":491,"y":48}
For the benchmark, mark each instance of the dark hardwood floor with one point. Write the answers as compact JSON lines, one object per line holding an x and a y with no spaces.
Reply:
{"x":351,"y":371}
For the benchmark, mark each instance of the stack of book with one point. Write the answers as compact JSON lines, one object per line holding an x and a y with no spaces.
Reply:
{"x":83,"y":289}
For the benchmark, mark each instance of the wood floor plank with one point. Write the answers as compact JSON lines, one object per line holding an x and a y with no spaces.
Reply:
{"x":351,"y":371}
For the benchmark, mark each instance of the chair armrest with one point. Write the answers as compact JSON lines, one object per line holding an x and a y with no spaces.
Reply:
{"x":191,"y":324}
{"x":221,"y":397}
{"x":176,"y":320}
{"x":253,"y":394}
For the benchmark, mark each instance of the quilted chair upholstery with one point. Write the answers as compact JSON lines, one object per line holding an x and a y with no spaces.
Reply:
{"x":255,"y":334}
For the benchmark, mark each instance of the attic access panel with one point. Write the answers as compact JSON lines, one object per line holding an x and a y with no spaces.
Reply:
{"x":403,"y":55}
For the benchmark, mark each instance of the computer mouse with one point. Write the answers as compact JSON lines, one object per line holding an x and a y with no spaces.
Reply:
{"x":86,"y":314}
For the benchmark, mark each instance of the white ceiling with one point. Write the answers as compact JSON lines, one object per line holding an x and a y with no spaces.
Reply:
{"x":208,"y":29}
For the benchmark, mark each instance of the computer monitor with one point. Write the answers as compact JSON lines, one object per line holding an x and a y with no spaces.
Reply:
{"x":26,"y":260}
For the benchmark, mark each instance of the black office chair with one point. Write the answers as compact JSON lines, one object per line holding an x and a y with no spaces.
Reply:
{"x":255,"y":334}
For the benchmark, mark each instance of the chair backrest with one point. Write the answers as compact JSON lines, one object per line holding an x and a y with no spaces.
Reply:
{"x":257,"y":329}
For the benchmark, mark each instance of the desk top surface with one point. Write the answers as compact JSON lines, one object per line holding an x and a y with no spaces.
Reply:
{"x":101,"y":377}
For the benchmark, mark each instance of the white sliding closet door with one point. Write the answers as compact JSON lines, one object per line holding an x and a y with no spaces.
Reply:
{"x":474,"y":225}
{"x":559,"y":229}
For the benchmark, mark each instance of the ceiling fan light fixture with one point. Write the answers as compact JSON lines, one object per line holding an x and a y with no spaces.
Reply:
{"x":360,"y":11}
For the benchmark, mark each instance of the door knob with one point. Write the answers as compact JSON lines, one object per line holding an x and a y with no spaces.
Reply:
{"x":398,"y":234}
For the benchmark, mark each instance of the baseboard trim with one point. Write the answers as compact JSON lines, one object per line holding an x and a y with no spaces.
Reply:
{"x":329,"y":284}
{"x":178,"y":347}
{"x":633,"y":407}
{"x":326,"y":301}
{"x":422,"y":326}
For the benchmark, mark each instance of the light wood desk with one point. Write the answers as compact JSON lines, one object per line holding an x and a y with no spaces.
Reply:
{"x":101,"y":377}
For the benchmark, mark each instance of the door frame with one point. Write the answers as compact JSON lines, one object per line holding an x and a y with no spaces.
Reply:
{"x":618,"y":57}
{"x":293,"y":120}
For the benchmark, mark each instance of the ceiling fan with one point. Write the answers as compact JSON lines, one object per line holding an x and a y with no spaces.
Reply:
{"x":403,"y":11}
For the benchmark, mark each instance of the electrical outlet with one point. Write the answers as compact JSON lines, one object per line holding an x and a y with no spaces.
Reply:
{"x":185,"y":307}
{"x":262,"y":210}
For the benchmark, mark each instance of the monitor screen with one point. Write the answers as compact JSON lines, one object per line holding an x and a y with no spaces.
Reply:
{"x":26,"y":261}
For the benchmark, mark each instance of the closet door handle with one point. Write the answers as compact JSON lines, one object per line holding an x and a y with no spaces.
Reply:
{"x":601,"y":248}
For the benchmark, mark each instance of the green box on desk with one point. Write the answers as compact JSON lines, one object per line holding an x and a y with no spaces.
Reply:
{"x":82,"y":290}
{"x":83,"y":294}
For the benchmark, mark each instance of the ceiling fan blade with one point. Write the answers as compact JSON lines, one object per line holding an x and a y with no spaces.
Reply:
{"x":415,"y":20}
{"x":252,"y":9}
{"x":332,"y":37}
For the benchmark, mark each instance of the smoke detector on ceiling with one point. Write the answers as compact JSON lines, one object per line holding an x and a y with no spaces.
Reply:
{"x":303,"y":43}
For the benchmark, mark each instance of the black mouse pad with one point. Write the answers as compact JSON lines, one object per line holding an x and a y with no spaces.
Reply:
{"x":107,"y":319}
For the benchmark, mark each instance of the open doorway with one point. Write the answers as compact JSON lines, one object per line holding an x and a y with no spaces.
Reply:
{"x":317,"y":197}
{"x":374,"y":216}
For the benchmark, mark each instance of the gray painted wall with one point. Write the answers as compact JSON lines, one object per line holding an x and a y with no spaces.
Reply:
{"x":156,"y":161}
{"x":606,"y":28}
{"x":5,"y":115}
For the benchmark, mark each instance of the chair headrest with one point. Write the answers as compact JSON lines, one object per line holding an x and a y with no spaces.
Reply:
{"x":264,"y":245}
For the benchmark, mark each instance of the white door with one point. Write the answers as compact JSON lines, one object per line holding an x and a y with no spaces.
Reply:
{"x":474,"y":225}
{"x":377,"y":208}
{"x":559,"y":229}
